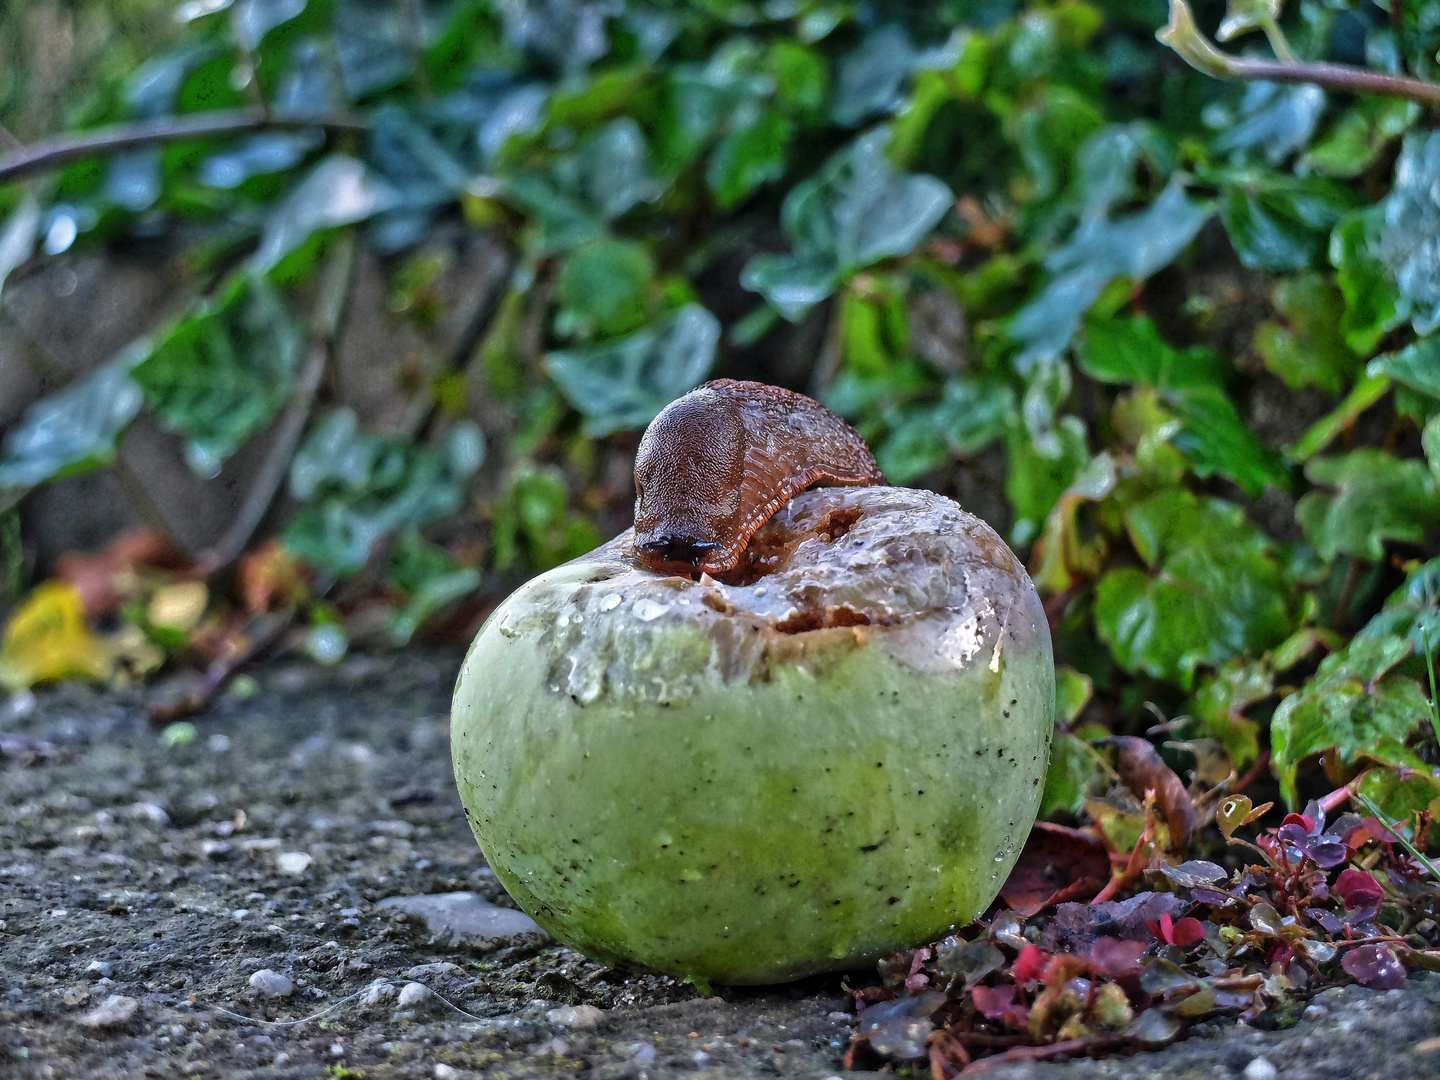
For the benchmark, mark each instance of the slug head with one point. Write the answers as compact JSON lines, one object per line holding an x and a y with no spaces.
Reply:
{"x":689,"y":479}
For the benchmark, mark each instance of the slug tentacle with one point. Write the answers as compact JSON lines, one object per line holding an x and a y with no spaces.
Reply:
{"x":717,"y":463}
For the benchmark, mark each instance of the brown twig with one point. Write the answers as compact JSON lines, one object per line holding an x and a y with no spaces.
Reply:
{"x":1184,"y":36}
{"x":334,"y":293}
{"x":49,"y":153}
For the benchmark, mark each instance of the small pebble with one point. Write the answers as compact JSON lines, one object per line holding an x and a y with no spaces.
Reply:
{"x":216,"y":849}
{"x":99,"y":969}
{"x":377,"y":992}
{"x":115,"y":1011}
{"x":293,"y":862}
{"x":412,"y":994}
{"x":446,"y":1072}
{"x":271,"y":984}
{"x":640,"y":1054}
{"x":576,"y":1016}
{"x":1260,"y":1069}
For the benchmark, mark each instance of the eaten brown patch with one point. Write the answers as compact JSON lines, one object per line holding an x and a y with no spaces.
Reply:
{"x":837,"y":523}
{"x":822,"y":619}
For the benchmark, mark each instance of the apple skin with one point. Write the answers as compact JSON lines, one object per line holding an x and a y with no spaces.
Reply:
{"x":681,"y":775}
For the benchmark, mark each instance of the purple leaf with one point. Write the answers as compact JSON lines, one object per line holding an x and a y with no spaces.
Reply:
{"x":1374,"y":966}
{"x":1357,"y":888}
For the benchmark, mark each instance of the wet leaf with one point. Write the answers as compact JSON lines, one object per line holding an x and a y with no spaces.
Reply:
{"x":1280,"y":222}
{"x":1214,"y":589}
{"x":220,"y":374}
{"x":1374,"y":966}
{"x":1075,"y":773}
{"x":1220,"y":702}
{"x":870,"y":78}
{"x":1273,"y":120}
{"x":1355,"y":702}
{"x":1372,"y":300}
{"x":1153,"y":1028}
{"x":1356,"y":888}
{"x":1237,"y":811}
{"x":1100,"y":250}
{"x":338,"y":191}
{"x":969,"y":961}
{"x":1309,"y":350}
{"x":1377,"y":497}
{"x":856,"y":211}
{"x":624,"y":383}
{"x":360,"y":488}
{"x":998,"y":1003}
{"x":1408,"y":237}
{"x":1416,"y":366}
{"x":47,"y":639}
{"x":75,"y":429}
{"x":1056,"y":864}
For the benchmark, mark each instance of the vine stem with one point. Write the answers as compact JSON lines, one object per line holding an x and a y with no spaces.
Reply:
{"x":50,"y":153}
{"x":1184,"y":36}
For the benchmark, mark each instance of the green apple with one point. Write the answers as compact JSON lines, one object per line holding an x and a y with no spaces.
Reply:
{"x":754,"y":782}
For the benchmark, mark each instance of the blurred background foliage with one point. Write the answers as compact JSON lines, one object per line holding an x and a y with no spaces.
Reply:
{"x":1175,"y":337}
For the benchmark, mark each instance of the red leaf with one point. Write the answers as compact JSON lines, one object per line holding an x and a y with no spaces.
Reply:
{"x":1308,"y":824}
{"x":1188,"y":932}
{"x":1374,"y":966}
{"x":1057,"y":864}
{"x":1164,"y":929}
{"x":998,"y":1003}
{"x":1114,"y":956}
{"x":1029,"y":965}
{"x":1356,"y":888}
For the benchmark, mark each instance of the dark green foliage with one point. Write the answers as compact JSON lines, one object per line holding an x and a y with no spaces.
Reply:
{"x":1182,"y":333}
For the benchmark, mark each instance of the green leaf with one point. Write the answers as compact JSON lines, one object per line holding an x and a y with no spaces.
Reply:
{"x":358,"y":488}
{"x":1274,"y":119}
{"x":1035,"y":481}
{"x":1399,"y":792}
{"x":219,"y":375}
{"x":1099,"y":251}
{"x":1075,"y":772}
{"x":748,"y":157}
{"x":429,"y":577}
{"x":1219,"y":443}
{"x":970,"y":415}
{"x":1242,"y":16}
{"x":338,"y":191}
{"x":1409,"y":232}
{"x":856,"y":211}
{"x":623,"y":384}
{"x":1278,"y":222}
{"x":74,"y":430}
{"x":603,"y":288}
{"x":1416,"y":366}
{"x":1355,"y":704}
{"x":533,"y":518}
{"x":1220,"y":702}
{"x":1377,"y":497}
{"x":1214,"y":590}
{"x":1320,"y":434}
{"x":1310,"y":349}
{"x":1072,"y":693}
{"x":1122,"y":351}
{"x":1372,"y":302}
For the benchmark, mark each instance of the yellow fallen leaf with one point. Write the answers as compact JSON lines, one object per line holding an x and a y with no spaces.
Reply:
{"x":47,"y":639}
{"x":178,"y":606}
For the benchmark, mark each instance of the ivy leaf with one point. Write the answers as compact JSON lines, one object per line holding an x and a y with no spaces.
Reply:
{"x":74,"y":430}
{"x":970,"y":415}
{"x":429,"y":577}
{"x":1218,"y":442}
{"x":1372,"y":302}
{"x":623,"y":384}
{"x":360,"y":488}
{"x":1035,"y":482}
{"x":1416,"y":366}
{"x":1355,"y":703}
{"x":1310,"y":349}
{"x":1075,"y":773}
{"x":748,"y":157}
{"x":856,"y":211}
{"x":871,"y":78}
{"x":338,"y":191}
{"x":1408,"y":239}
{"x":1099,"y":251}
{"x":1377,"y":497}
{"x":1214,"y":590}
{"x":1274,"y":119}
{"x":1121,"y":351}
{"x":221,"y":374}
{"x":1220,"y":702}
{"x":602,"y":288}
{"x":1277,"y":221}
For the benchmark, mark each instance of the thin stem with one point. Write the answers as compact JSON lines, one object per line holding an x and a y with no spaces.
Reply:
{"x":1200,"y":52}
{"x":50,"y":153}
{"x":1276,"y":37}
{"x":1394,"y":828}
{"x":1434,"y":701}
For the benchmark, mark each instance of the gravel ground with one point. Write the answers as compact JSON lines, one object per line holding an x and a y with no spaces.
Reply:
{"x":177,"y":911}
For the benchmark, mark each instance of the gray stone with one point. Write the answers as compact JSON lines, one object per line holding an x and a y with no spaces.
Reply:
{"x":413,"y":994}
{"x":271,"y":984}
{"x":468,"y":918}
{"x":99,"y":969}
{"x":576,"y":1016}
{"x":115,"y":1011}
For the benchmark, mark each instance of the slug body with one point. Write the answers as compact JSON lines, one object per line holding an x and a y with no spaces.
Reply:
{"x":718,"y":462}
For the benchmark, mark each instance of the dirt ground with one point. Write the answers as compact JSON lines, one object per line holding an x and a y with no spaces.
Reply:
{"x":181,"y":910}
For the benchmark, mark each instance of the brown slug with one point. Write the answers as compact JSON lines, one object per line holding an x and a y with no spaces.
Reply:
{"x":718,"y":462}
